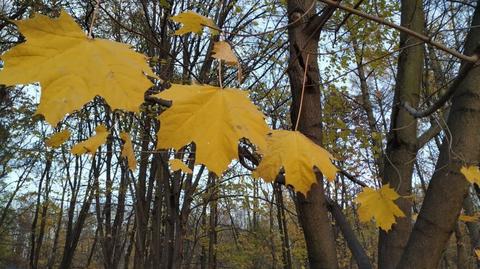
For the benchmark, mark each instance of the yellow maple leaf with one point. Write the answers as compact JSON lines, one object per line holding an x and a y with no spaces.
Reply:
{"x":379,"y":204}
{"x":477,"y":253}
{"x":93,"y":143}
{"x":471,"y":173}
{"x":58,"y":139}
{"x":223,"y":51}
{"x":72,"y":69}
{"x":214,"y":118}
{"x":127,"y":151}
{"x":194,"y":23}
{"x":176,"y":164}
{"x":298,"y":156}
{"x":467,"y":218}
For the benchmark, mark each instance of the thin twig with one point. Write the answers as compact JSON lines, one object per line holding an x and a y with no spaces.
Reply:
{"x":265,"y":32}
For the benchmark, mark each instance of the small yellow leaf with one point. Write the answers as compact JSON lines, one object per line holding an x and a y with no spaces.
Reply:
{"x":194,"y":22}
{"x":214,"y":118}
{"x":58,"y":139}
{"x":298,"y":155}
{"x":223,"y":51}
{"x":477,"y":253}
{"x":467,"y":218}
{"x":127,"y":151}
{"x":177,"y":164}
{"x":93,"y":143}
{"x":72,"y":69}
{"x":471,"y":173}
{"x":379,"y":204}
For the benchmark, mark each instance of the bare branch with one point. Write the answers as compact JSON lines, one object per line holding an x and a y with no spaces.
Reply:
{"x":426,"y":39}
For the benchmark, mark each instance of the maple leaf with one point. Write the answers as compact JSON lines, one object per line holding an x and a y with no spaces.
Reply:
{"x":379,"y":204}
{"x":223,"y":51}
{"x":471,"y":173}
{"x":93,"y":143}
{"x":176,"y":164}
{"x":298,"y":156}
{"x":127,"y":151}
{"x":58,"y":139}
{"x":193,"y":23}
{"x":72,"y":69}
{"x":214,"y":118}
{"x":467,"y":218}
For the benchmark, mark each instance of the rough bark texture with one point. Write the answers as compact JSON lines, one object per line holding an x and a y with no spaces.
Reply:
{"x":462,"y":253}
{"x":402,"y":138}
{"x":313,"y":212}
{"x":448,"y":187}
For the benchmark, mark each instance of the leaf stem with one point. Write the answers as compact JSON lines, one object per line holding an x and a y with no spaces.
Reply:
{"x":220,"y":73}
{"x":303,"y":92}
{"x":94,"y":16}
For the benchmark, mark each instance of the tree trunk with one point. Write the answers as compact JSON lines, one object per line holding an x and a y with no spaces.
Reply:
{"x":473,"y":227}
{"x":313,"y":212}
{"x":402,"y":138}
{"x":282,"y":227}
{"x":448,"y":187}
{"x":213,"y":219}
{"x":462,"y":253}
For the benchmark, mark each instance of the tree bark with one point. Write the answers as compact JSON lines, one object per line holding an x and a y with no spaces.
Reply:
{"x":401,"y":148}
{"x":313,"y":212}
{"x":473,"y":227}
{"x":462,"y":253}
{"x":357,"y":250}
{"x":282,"y":227}
{"x":448,"y":187}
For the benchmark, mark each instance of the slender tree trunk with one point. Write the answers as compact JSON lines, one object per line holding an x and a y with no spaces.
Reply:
{"x":377,"y":144}
{"x":282,"y":226}
{"x":52,"y":258}
{"x":141,"y":209}
{"x":212,"y":232}
{"x":363,"y":261}
{"x":43,"y":220}
{"x":402,"y":138}
{"x":74,"y":230}
{"x":34,"y":249}
{"x":203,"y":250}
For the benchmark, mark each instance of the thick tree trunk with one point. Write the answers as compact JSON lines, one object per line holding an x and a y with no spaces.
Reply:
{"x":402,"y":138}
{"x":448,"y":187}
{"x":313,"y":212}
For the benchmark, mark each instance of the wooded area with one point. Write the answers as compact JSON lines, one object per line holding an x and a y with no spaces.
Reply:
{"x":175,"y":167}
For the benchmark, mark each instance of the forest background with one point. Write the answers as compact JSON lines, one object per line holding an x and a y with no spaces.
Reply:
{"x":362,"y":78}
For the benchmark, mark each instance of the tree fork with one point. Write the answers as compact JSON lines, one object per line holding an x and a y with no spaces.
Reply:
{"x":313,"y":211}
